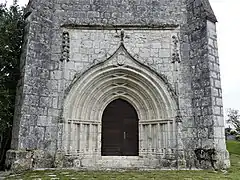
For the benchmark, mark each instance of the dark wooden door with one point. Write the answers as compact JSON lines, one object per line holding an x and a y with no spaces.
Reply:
{"x":119,"y":129}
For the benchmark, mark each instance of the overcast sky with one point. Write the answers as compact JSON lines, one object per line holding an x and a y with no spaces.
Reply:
{"x":228,"y":26}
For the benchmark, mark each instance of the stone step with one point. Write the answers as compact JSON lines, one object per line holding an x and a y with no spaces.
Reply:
{"x":121,"y":162}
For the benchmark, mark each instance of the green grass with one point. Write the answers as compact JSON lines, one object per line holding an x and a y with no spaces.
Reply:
{"x":233,"y":147}
{"x":142,"y":175}
{"x":232,"y":174}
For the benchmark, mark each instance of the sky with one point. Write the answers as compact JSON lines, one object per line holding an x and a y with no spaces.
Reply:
{"x":228,"y":26}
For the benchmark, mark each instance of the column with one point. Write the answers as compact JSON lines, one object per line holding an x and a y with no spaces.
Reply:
{"x":72,"y":137}
{"x":140,"y":139}
{"x":81,"y":138}
{"x":168,"y":135}
{"x":149,"y":139}
{"x":66,"y":138}
{"x":174,"y":128}
{"x":158,"y":147}
{"x":99,"y":139}
{"x":90,"y":139}
{"x":78,"y":138}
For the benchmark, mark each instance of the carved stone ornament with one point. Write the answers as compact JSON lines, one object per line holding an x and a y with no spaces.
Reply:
{"x":175,"y":54}
{"x":121,"y":59}
{"x":122,"y":36}
{"x":65,"y":47}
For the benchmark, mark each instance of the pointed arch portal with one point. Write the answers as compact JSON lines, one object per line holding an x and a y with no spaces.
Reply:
{"x":119,"y":129}
{"x":119,"y":107}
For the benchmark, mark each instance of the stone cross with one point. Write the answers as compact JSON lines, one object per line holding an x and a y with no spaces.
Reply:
{"x":122,"y":36}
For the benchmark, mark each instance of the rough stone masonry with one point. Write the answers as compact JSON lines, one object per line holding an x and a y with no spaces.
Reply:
{"x":119,"y":84}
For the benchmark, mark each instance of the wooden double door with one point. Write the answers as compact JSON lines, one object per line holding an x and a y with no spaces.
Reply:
{"x":120,"y":130}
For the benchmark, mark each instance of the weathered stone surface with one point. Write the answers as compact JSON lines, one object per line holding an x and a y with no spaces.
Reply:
{"x":42,"y":159}
{"x":19,"y":160}
{"x":25,"y":160}
{"x":159,"y":55}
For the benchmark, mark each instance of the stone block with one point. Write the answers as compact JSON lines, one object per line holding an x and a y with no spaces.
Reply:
{"x":19,"y":161}
{"x":42,"y":159}
{"x":43,"y":121}
{"x":217,"y":83}
{"x":59,"y":160}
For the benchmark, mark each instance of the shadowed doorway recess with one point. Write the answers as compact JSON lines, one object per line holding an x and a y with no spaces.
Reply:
{"x":120,"y":129}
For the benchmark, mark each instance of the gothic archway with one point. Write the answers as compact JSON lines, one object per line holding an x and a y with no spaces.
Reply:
{"x":146,"y":91}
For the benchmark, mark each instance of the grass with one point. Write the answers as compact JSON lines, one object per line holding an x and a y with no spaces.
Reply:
{"x":232,"y":174}
{"x":233,"y":147}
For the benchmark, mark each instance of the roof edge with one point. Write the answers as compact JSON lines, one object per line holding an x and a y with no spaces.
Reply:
{"x":209,"y":11}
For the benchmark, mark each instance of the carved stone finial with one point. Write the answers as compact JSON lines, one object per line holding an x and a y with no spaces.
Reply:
{"x":175,"y":55}
{"x":178,"y":116}
{"x":65,"y":47}
{"x":122,"y":35}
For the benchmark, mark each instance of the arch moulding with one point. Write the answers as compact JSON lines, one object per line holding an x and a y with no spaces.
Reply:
{"x":118,"y":77}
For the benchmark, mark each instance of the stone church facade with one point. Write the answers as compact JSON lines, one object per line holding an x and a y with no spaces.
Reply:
{"x":119,"y":84}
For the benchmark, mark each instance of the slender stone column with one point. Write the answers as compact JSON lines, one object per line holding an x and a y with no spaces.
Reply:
{"x":141,"y":139}
{"x":72,"y":137}
{"x":90,"y":139}
{"x":99,"y":139}
{"x":81,"y":138}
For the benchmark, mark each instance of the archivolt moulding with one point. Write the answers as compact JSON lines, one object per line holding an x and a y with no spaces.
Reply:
{"x":120,"y":76}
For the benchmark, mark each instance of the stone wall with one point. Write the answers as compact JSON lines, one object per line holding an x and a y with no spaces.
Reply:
{"x":153,"y":48}
{"x":216,"y":93}
{"x":206,"y":106}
